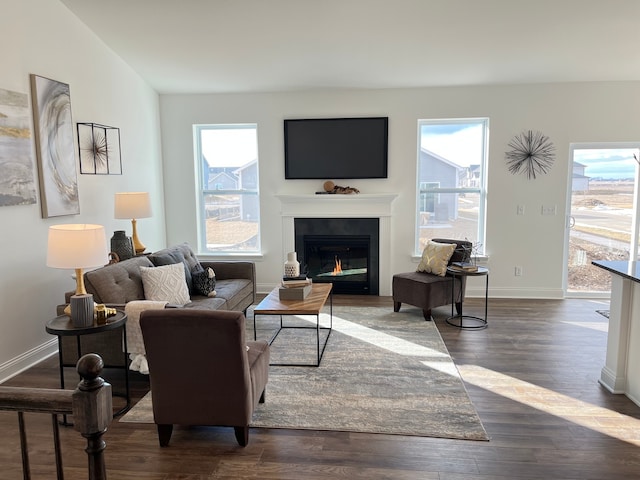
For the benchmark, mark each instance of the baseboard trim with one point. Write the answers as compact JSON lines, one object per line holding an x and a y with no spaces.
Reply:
{"x":532,"y":293}
{"x":28,"y":359}
{"x":611,"y":382}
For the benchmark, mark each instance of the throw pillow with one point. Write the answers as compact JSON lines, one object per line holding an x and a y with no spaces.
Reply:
{"x":169,"y":257}
{"x":165,"y":283}
{"x":435,"y":257}
{"x":204,"y":281}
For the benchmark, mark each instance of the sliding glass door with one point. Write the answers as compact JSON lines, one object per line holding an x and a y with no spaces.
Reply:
{"x":603,"y":206}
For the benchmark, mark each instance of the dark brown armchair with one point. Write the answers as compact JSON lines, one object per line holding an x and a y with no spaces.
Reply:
{"x":201,"y":371}
{"x":426,"y":290}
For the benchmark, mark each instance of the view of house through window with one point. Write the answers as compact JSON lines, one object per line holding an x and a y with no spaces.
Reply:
{"x":604,"y":185}
{"x":226,"y":159}
{"x":451,"y":181}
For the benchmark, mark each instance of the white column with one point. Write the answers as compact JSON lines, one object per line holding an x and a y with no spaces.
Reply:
{"x":614,"y":372}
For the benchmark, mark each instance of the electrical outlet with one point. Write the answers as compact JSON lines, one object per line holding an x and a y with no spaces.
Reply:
{"x":517,"y":271}
{"x":549,"y":210}
{"x":520,"y":210}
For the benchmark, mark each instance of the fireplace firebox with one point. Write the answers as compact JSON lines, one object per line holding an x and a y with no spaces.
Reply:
{"x":343,"y":251}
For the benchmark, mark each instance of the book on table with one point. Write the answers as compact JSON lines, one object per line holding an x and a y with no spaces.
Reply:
{"x":464,"y":266}
{"x":293,"y":282}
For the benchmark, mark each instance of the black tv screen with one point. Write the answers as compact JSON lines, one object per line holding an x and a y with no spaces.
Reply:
{"x":332,"y":148}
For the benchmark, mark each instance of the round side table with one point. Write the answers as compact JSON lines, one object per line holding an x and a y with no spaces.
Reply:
{"x":62,"y":327}
{"x":457,"y":320}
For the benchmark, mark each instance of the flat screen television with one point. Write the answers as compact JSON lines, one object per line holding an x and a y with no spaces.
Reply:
{"x":334,"y":148}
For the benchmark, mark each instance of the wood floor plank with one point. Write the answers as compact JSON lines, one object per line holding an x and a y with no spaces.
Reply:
{"x":532,"y":376}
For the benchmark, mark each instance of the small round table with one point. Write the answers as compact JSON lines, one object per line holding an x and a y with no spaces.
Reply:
{"x":458,"y":320}
{"x":62,"y":327}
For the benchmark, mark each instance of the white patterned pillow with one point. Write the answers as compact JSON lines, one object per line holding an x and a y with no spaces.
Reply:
{"x":166,"y":283}
{"x":435,"y":257}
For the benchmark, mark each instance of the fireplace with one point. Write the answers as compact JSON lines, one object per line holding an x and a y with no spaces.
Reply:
{"x":343,"y":251}
{"x":371,"y":206}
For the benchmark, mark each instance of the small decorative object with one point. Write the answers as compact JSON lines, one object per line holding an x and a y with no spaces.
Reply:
{"x":101,"y":314}
{"x":292,"y":266}
{"x":99,"y":149}
{"x":122,"y":245}
{"x":531,"y":152}
{"x":294,"y":293}
{"x":82,"y":310}
{"x":53,"y":126}
{"x":330,"y":187}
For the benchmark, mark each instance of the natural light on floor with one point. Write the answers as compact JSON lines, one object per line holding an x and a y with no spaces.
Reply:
{"x":382,"y":340}
{"x":576,"y":411}
{"x":581,"y":413}
{"x":599,"y":326}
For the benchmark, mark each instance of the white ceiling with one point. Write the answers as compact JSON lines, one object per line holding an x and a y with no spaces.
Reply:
{"x":206,"y":46}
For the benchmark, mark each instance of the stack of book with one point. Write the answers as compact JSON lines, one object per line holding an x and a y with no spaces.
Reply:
{"x":464,"y":266}
{"x":295,"y":288}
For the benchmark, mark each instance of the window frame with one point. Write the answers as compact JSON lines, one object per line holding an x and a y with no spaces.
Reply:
{"x":481,"y":189}
{"x":201,"y":192}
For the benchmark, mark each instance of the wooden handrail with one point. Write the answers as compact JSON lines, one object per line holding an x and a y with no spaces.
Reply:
{"x":38,"y":400}
{"x":90,"y":404}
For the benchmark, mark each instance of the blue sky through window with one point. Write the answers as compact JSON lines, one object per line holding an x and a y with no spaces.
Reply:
{"x":609,"y":164}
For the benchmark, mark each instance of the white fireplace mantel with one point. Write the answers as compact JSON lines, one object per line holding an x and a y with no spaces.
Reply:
{"x":341,"y":206}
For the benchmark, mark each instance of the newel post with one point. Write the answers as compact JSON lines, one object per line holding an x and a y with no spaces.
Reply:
{"x":92,"y":412}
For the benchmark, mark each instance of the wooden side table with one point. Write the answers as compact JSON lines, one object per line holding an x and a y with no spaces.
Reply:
{"x":458,"y":320}
{"x":62,"y":327}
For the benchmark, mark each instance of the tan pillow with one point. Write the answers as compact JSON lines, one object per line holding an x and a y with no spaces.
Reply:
{"x":166,"y":283}
{"x":435,"y":257}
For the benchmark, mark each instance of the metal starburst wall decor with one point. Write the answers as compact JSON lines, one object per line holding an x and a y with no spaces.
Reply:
{"x":99,"y":149}
{"x":530,"y":152}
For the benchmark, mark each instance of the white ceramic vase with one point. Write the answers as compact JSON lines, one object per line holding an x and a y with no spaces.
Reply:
{"x":291,"y":266}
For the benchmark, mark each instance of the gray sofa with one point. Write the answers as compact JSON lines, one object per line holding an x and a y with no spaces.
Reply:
{"x":121,"y":282}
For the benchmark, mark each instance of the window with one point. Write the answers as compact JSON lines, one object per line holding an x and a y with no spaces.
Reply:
{"x":451,"y":186}
{"x":226,"y":162}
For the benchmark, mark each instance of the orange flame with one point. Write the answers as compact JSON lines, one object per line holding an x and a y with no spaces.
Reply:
{"x":337,"y":270}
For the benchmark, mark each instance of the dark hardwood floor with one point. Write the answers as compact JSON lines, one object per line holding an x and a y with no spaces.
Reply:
{"x":532,"y":375}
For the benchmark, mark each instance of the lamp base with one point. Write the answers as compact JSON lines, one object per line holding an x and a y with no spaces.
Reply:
{"x":138,"y":246}
{"x":81,"y":310}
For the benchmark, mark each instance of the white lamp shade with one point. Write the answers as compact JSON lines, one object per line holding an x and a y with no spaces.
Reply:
{"x":76,"y":246}
{"x":132,"y":205}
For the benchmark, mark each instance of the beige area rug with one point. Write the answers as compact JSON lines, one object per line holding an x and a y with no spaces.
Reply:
{"x":382,"y":372}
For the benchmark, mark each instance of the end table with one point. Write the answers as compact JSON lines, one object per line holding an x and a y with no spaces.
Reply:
{"x":61,"y":327}
{"x":479,"y":322}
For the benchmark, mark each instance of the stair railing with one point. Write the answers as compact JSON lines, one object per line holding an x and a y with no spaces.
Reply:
{"x":90,"y":404}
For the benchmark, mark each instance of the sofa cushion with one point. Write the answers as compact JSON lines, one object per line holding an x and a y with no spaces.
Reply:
{"x":435,"y":257}
{"x":235,"y":292}
{"x":117,"y":283}
{"x":165,"y":283}
{"x":198,"y":302}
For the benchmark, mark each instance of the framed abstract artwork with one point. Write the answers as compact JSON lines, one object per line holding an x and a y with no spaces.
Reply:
{"x":17,"y":172}
{"x":53,"y":127}
{"x":99,"y":149}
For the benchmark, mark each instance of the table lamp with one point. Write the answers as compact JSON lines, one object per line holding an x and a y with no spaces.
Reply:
{"x":77,"y":246}
{"x":133,"y":205}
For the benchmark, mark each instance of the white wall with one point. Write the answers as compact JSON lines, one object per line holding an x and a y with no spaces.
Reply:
{"x":42,"y":37}
{"x":576,"y":112}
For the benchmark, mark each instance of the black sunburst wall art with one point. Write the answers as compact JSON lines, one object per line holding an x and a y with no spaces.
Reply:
{"x":99,"y":149}
{"x":530,"y":152}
